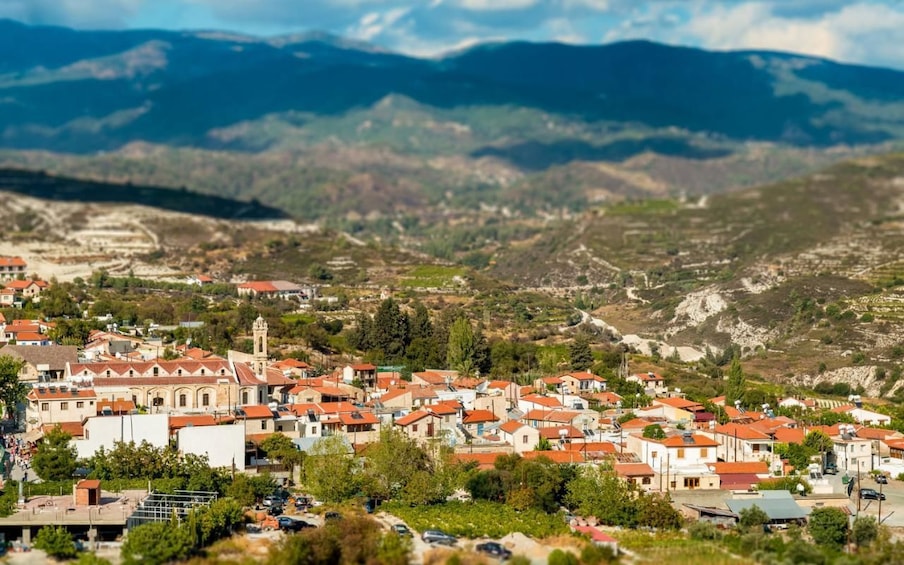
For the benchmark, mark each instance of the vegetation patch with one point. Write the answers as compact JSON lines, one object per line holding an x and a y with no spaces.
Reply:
{"x":479,"y":518}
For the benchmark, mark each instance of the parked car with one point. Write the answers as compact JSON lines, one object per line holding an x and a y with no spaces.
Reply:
{"x":871,"y":494}
{"x":332,"y":515}
{"x":275,"y":510}
{"x":439,"y":537}
{"x":882,"y":479}
{"x":274,"y":500}
{"x":830,"y":469}
{"x":288,"y":524}
{"x":402,"y":530}
{"x":493,"y":548}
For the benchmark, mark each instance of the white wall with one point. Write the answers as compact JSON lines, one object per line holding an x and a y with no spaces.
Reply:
{"x":223,"y":445}
{"x":106,"y":430}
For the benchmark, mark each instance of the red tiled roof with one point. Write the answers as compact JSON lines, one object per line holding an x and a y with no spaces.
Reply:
{"x":633,"y":470}
{"x":637,"y":423}
{"x":595,"y":535}
{"x":47,"y":394}
{"x":734,"y":468}
{"x":23,"y":284}
{"x":350,"y":419}
{"x":511,"y":426}
{"x":560,"y":457}
{"x":789,"y":435}
{"x":476,"y":416}
{"x":338,"y":407}
{"x":412,"y":417}
{"x":179,"y":422}
{"x":555,"y":432}
{"x":584,"y":376}
{"x":483,"y":460}
{"x":597,"y":447}
{"x":547,"y":401}
{"x":562,"y":416}
{"x":88,"y":484}
{"x":445,"y":408}
{"x":699,"y":441}
{"x":739,"y":481}
{"x":75,"y":429}
{"x":741,"y":431}
{"x":393,"y":393}
{"x":498,"y":384}
{"x":680,"y":403}
{"x":12,"y":262}
{"x":259,"y":286}
{"x":118,"y":406}
{"x":254,"y":411}
{"x":29,"y":336}
{"x":363,"y":367}
{"x":431,"y":377}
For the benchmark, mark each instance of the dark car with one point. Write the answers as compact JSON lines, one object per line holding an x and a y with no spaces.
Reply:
{"x":402,"y":530}
{"x":332,"y":515}
{"x":288,"y":524}
{"x":439,"y":537}
{"x":871,"y":494}
{"x":493,"y":548}
{"x":882,"y":479}
{"x":275,"y":510}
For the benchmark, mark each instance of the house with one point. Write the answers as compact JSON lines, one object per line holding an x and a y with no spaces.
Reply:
{"x":866,"y":417}
{"x":739,"y":442}
{"x":742,"y":475}
{"x":419,"y":425}
{"x":258,"y":419}
{"x":308,"y":420}
{"x":520,"y":436}
{"x":364,"y":373}
{"x":294,"y":368}
{"x":7,"y":297}
{"x":396,"y":398}
{"x":652,"y":383}
{"x":51,"y":404}
{"x":598,"y":538}
{"x":12,"y":267}
{"x":433,"y":378}
{"x":635,"y":473}
{"x":276,"y":289}
{"x":553,"y":385}
{"x":802,"y":404}
{"x":779,"y":506}
{"x":32,"y":339}
{"x":678,"y":409}
{"x":681,"y":461}
{"x":475,"y":421}
{"x":223,"y":445}
{"x":42,"y":364}
{"x":198,"y":280}
{"x":538,"y":402}
{"x":106,"y":431}
{"x":852,"y":454}
{"x":28,"y":288}
{"x":583,"y":382}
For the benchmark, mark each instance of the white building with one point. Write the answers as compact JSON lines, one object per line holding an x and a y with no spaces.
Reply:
{"x":106,"y":431}
{"x":223,"y":445}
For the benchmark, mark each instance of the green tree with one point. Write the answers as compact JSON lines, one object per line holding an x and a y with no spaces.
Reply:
{"x":737,"y":382}
{"x":55,"y":459}
{"x":579,"y":352}
{"x":752,"y":519}
{"x":56,"y":541}
{"x":828,"y":527}
{"x":864,"y":531}
{"x":282,"y":449}
{"x":12,"y":391}
{"x":654,"y":431}
{"x":461,"y":347}
{"x":330,"y":470}
{"x":543,"y":445}
{"x":390,"y":330}
{"x":560,"y":557}
{"x":391,"y":463}
{"x":155,"y":544}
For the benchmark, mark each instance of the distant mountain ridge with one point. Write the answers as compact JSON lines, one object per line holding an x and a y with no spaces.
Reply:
{"x":83,"y":91}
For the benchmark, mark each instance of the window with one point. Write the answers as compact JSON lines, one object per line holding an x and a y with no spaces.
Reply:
{"x":205,"y":399}
{"x":313,"y":430}
{"x":646,"y":480}
{"x":691,"y":482}
{"x":80,"y":404}
{"x":158,"y":401}
{"x":414,"y":427}
{"x":524,"y":438}
{"x":703,"y":452}
{"x":183,"y":400}
{"x":245,"y":397}
{"x":131,"y":372}
{"x":108,"y":372}
{"x":680,"y":453}
{"x":202,"y":371}
{"x":156,"y":371}
{"x":45,"y":406}
{"x":263,"y":424}
{"x":64,"y":406}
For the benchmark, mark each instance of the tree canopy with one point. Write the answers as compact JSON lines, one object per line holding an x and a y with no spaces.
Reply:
{"x":55,"y":459}
{"x":12,"y":390}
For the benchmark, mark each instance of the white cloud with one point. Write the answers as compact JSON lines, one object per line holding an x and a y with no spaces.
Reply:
{"x":374,"y":24}
{"x":496,"y":5}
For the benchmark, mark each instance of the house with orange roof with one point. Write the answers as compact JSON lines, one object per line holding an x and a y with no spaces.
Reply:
{"x":304,"y":394}
{"x":739,"y":442}
{"x":399,"y":398}
{"x":538,"y":402}
{"x":653,"y":383}
{"x":258,"y":419}
{"x":580,"y":419}
{"x":681,"y":460}
{"x":74,"y":429}
{"x":419,"y":425}
{"x":51,"y":404}
{"x":639,"y":474}
{"x":475,"y":421}
{"x":424,"y":396}
{"x":387,"y":380}
{"x":582,"y":382}
{"x":431,"y":378}
{"x":363,"y":373}
{"x":199,"y":280}
{"x":32,"y":338}
{"x":284,"y":290}
{"x":606,"y":399}
{"x":520,"y":436}
{"x":678,"y":409}
{"x":483,"y":460}
{"x":593,"y":450}
{"x":552,"y":385}
{"x":742,"y":475}
{"x":28,"y":288}
{"x":509,"y":390}
{"x":789,"y":435}
{"x":115,"y":407}
{"x":12,"y":267}
{"x":7,"y":298}
{"x":293,"y":368}
{"x":562,"y":434}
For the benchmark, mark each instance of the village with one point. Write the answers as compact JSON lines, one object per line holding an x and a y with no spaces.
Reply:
{"x":712,"y":459}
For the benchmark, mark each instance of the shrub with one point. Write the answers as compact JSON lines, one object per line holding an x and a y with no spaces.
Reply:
{"x":56,"y":541}
{"x":559,"y":557}
{"x":828,"y":526}
{"x":703,"y":530}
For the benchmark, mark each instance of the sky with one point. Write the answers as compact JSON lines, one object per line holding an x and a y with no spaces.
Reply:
{"x":858,"y":31}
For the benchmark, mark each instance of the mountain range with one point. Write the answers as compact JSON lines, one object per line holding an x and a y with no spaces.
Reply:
{"x":320,"y":126}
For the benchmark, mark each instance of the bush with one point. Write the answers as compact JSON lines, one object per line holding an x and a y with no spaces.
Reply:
{"x":56,"y":541}
{"x":479,"y":518}
{"x":155,"y":544}
{"x":828,"y":527}
{"x":865,"y":530}
{"x":559,"y":557}
{"x":704,"y":531}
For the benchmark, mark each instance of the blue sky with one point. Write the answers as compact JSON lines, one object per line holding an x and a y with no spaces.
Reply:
{"x":861,"y":31}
